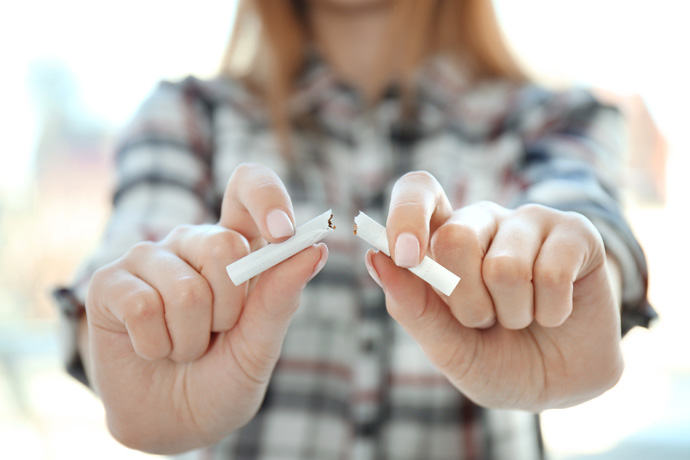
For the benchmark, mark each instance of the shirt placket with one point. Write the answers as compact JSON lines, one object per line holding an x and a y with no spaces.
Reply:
{"x":369,"y":401}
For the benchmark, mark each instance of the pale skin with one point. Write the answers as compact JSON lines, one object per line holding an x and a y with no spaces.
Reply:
{"x":181,"y":357}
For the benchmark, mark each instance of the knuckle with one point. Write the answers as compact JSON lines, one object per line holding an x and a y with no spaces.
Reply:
{"x":575,"y":217}
{"x":572,"y":219}
{"x":579,"y":235}
{"x":578,"y":222}
{"x":418,"y":180}
{"x":256,"y":173}
{"x":244,"y":169}
{"x":224,"y":246}
{"x":408,"y":203}
{"x":453,"y":236}
{"x":141,"y":249}
{"x":269,"y":183}
{"x":180,"y":232}
{"x":424,"y":177}
{"x":192,"y":292}
{"x":506,"y":270}
{"x":551,"y":276}
{"x":102,"y":275}
{"x":475,"y":314}
{"x":144,"y":305}
{"x":258,"y":186}
{"x":489,"y":207}
{"x":99,"y":279}
{"x":534,"y":210}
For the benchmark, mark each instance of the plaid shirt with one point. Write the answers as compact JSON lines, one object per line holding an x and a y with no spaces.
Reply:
{"x":351,"y":384}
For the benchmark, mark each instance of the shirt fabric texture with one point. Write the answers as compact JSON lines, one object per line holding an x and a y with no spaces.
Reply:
{"x":350,"y":383}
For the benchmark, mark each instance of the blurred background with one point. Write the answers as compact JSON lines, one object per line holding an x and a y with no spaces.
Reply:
{"x":73,"y":71}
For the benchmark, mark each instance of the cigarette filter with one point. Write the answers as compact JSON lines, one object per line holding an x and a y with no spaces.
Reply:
{"x":429,"y":270}
{"x":272,"y":254}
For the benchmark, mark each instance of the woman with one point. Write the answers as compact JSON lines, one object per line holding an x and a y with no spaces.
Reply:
{"x":415,"y":113}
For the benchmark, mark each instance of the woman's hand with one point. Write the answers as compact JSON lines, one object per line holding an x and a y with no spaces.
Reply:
{"x":179,"y":355}
{"x":534,"y":322}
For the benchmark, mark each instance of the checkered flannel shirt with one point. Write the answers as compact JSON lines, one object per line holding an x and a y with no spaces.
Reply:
{"x":350,"y":383}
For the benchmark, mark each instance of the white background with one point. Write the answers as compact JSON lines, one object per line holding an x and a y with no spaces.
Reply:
{"x":116,"y":51}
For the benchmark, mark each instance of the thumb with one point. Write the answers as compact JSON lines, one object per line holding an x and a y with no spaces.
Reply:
{"x":425,"y":316}
{"x":271,"y":304}
{"x":257,"y":204}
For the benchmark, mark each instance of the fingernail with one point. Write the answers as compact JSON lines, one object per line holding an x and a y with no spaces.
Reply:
{"x":406,"y":250}
{"x":319,"y":265}
{"x":279,"y":224}
{"x":370,"y":267}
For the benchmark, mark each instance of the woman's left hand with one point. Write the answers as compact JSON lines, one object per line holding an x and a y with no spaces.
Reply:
{"x":534,"y":322}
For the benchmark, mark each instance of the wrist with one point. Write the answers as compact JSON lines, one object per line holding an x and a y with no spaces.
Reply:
{"x":615,"y":277}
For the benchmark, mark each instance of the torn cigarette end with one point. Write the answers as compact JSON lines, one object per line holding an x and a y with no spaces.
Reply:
{"x":272,"y":254}
{"x":355,"y":229}
{"x":429,"y":270}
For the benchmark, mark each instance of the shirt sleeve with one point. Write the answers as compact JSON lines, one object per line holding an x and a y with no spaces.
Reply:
{"x":574,"y":156}
{"x":164,"y":179}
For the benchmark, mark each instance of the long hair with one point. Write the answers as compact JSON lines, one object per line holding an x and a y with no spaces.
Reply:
{"x":267,"y":46}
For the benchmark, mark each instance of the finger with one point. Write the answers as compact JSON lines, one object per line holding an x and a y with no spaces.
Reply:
{"x":508,"y":265}
{"x":412,"y":303}
{"x":138,"y":307}
{"x":209,"y":249}
{"x":270,"y":306}
{"x":460,"y":245}
{"x":418,"y":206}
{"x":256,"y":203}
{"x":561,"y":260}
{"x":186,"y":295}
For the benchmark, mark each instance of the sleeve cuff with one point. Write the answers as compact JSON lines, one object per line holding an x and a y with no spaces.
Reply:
{"x":72,"y":311}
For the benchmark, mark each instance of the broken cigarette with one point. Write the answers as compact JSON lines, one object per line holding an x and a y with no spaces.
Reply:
{"x":429,"y":270}
{"x":272,"y":254}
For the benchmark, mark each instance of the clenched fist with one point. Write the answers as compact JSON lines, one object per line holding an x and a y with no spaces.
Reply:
{"x":179,"y":355}
{"x":534,"y":322}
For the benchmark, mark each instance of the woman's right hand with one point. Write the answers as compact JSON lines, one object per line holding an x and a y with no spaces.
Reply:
{"x":179,"y":355}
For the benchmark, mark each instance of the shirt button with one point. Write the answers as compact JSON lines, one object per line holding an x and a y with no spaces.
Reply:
{"x":368,"y":346}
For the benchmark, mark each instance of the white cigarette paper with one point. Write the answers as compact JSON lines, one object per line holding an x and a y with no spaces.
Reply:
{"x":429,"y":270}
{"x":272,"y":254}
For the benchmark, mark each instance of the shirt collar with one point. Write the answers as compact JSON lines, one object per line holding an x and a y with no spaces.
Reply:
{"x":445,"y":95}
{"x":336,"y":106}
